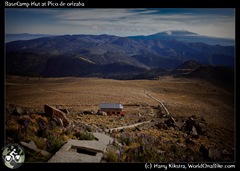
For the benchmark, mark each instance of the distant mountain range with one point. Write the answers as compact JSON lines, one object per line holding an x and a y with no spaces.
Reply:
{"x":23,"y":36}
{"x":108,"y":56}
{"x":179,"y":35}
{"x":186,"y":36}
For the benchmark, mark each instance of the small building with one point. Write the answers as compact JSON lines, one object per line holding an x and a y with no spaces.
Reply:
{"x":112,"y":108}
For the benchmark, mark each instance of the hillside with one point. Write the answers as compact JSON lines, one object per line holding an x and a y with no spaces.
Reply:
{"x":209,"y":105}
{"x":186,"y":68}
{"x":223,"y":76}
{"x":86,"y":55}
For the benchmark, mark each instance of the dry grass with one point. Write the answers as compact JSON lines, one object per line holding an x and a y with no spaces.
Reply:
{"x":182,"y":97}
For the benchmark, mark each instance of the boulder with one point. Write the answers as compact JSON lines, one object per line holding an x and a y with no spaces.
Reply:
{"x":32,"y":147}
{"x":100,"y":112}
{"x":59,"y":121}
{"x":204,"y":151}
{"x":56,"y":114}
{"x":194,"y":116}
{"x":198,"y":129}
{"x":191,"y":125}
{"x":65,"y":111}
{"x":194,"y":133}
{"x":190,"y":141}
{"x":104,"y":113}
{"x":214,"y":154}
{"x":19,"y":110}
{"x":161,"y":125}
{"x":171,"y":122}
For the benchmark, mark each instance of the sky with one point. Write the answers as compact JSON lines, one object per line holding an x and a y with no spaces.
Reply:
{"x":215,"y":22}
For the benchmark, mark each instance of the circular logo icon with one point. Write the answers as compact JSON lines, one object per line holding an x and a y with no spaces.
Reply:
{"x":13,"y":156}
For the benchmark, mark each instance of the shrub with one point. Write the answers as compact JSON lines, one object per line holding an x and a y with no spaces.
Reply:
{"x":65,"y":138}
{"x":39,"y":142}
{"x":12,"y":130}
{"x":34,"y":157}
{"x":82,"y":135}
{"x":111,"y":156}
{"x":126,"y":139}
{"x":66,"y":132}
{"x":54,"y":143}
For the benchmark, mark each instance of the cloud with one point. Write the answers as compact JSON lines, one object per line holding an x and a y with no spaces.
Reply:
{"x":126,"y":22}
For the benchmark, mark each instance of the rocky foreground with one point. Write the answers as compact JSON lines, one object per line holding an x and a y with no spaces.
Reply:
{"x":162,"y":139}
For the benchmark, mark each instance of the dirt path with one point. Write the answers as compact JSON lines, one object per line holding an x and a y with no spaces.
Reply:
{"x":167,"y":112}
{"x":127,"y":126}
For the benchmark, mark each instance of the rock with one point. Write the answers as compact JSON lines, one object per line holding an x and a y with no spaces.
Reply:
{"x":87,"y":112}
{"x":32,"y":147}
{"x":9,"y":109}
{"x":185,"y":135}
{"x":226,"y":155}
{"x":190,"y":141}
{"x":45,"y":153}
{"x":56,"y":113}
{"x":204,"y":151}
{"x":32,"y":144}
{"x":191,"y":124}
{"x":65,"y":111}
{"x":181,"y":145}
{"x":104,"y":114}
{"x":194,"y":116}
{"x":194,"y":133}
{"x":59,"y":121}
{"x":138,"y":129}
{"x":9,"y":140}
{"x":225,"y":152}
{"x":214,"y":154}
{"x":190,"y":158}
{"x":178,"y":141}
{"x":161,"y":152}
{"x":202,"y":119}
{"x":161,"y":125}
{"x":170,"y":122}
{"x":18,"y":111}
{"x":101,"y":113}
{"x":198,"y":129}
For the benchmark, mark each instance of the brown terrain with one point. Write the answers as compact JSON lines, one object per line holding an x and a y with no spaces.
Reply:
{"x":212,"y":105}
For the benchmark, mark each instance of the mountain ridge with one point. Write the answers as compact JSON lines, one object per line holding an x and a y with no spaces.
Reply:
{"x":86,"y":55}
{"x":186,"y":36}
{"x":171,"y":34}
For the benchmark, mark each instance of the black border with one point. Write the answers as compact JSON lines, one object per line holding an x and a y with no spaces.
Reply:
{"x":125,"y":4}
